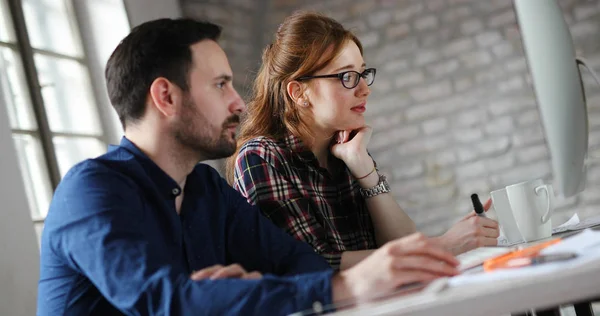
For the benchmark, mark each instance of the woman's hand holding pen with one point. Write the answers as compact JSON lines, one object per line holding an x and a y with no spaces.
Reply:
{"x":471,"y":232}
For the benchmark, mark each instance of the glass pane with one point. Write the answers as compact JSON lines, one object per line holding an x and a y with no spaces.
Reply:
{"x":66,"y":89}
{"x":6,"y":30}
{"x":50,"y":26}
{"x":71,"y":150}
{"x":13,"y":91}
{"x":39,"y":227}
{"x":35,"y":174}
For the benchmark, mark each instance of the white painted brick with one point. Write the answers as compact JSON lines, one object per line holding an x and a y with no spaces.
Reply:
{"x":490,"y":74}
{"x":394,"y":136}
{"x":471,"y":26}
{"x":437,"y":176}
{"x":471,"y":170}
{"x":467,"y":135}
{"x":360,"y":7}
{"x":426,"y":23}
{"x":382,"y":86}
{"x":435,"y":5}
{"x":586,"y":10}
{"x":407,"y":13}
{"x":410,"y":79}
{"x":357,"y":26}
{"x":517,"y":64}
{"x":502,"y":107}
{"x":525,"y":172}
{"x":528,"y":136}
{"x":470,"y":118}
{"x":485,"y":39}
{"x":432,"y":91}
{"x":467,"y":154}
{"x":500,"y":163}
{"x":504,"y":18}
{"x":532,"y":153}
{"x":476,"y":58}
{"x":406,"y":188}
{"x":494,"y":146}
{"x":594,"y":139}
{"x":443,"y":68}
{"x":384,"y":122}
{"x":370,"y":39}
{"x":420,"y":146}
{"x":379,"y":19}
{"x":503,"y":49}
{"x":456,"y":14}
{"x":407,"y":170}
{"x":511,"y":85}
{"x":458,"y":46}
{"x":584,"y":29}
{"x":435,"y":126}
{"x":436,"y":197}
{"x":441,"y":159}
{"x":391,"y":103}
{"x":393,"y":50}
{"x":462,"y":84}
{"x":479,"y":186}
{"x":499,"y":126}
{"x":397,"y":31}
{"x":425,"y":57}
{"x":422,"y":111}
{"x":397,"y":65}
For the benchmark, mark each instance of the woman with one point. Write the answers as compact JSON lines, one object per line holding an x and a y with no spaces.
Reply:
{"x":302,"y":149}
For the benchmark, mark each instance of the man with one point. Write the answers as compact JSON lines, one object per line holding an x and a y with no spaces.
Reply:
{"x":145,"y":229}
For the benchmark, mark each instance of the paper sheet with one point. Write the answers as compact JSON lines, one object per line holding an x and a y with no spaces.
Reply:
{"x":586,"y":244}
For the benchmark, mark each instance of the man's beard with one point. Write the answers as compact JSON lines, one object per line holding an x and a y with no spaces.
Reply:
{"x":196,"y":133}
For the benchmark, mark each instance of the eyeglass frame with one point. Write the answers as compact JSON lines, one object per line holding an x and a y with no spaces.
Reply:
{"x":341,"y":77}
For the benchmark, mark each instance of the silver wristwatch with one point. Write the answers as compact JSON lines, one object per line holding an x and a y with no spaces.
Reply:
{"x":381,"y":187}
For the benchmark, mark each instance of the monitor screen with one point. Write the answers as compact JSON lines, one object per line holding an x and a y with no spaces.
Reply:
{"x":558,"y":89}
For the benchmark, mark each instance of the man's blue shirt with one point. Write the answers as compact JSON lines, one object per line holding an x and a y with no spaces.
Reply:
{"x":113,"y":243}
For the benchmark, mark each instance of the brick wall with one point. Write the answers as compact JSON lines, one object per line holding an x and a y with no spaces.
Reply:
{"x":452,"y":106}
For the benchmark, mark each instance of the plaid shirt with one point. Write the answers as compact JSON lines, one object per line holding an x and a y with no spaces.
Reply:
{"x":325,"y":210}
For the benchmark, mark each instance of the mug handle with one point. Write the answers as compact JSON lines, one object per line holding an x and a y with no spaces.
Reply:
{"x":548,"y":212}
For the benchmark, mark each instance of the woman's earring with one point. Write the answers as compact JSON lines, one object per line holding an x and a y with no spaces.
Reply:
{"x":305,"y":103}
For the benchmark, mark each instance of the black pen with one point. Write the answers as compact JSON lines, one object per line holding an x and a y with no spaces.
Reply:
{"x":477,"y":205}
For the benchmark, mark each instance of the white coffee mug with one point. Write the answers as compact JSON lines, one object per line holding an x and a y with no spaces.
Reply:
{"x":506,"y":219}
{"x":532,"y":206}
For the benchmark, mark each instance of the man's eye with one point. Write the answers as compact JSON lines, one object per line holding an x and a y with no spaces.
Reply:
{"x":221,"y":84}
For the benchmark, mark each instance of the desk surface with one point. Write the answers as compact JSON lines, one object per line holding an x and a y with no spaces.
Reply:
{"x":501,"y":297}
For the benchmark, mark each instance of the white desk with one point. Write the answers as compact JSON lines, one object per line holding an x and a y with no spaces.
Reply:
{"x":500,"y":297}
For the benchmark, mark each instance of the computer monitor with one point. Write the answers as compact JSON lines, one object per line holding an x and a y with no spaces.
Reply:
{"x":558,"y":88}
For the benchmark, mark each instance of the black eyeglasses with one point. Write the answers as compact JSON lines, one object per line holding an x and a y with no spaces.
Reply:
{"x":349,"y":79}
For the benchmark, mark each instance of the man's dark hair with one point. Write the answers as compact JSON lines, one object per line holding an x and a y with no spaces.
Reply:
{"x":159,"y":48}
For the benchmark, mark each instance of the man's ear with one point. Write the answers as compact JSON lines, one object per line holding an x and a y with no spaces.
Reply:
{"x":165,"y":96}
{"x":296,"y":92}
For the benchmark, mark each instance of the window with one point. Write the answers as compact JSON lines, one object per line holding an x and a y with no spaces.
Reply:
{"x":46,"y":85}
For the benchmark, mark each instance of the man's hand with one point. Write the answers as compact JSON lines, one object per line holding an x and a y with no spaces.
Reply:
{"x":220,"y":272}
{"x":403,"y":261}
{"x":471,"y":232}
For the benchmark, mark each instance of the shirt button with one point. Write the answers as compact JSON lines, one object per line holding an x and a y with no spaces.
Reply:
{"x":317,"y":307}
{"x":176,"y":191}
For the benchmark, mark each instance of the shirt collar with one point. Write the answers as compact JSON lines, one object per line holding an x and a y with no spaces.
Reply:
{"x":161,"y":179}
{"x":306,"y":156}
{"x":296,"y":145}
